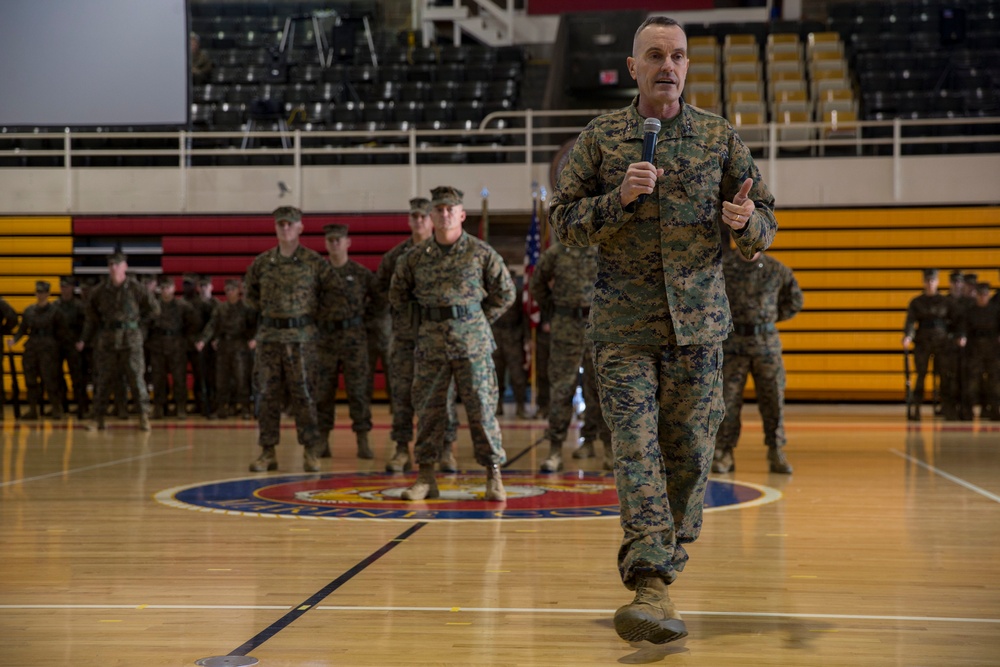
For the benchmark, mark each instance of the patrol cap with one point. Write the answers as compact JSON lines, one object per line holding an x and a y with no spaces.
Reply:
{"x":289,"y":213}
{"x":335,"y":231}
{"x":117,"y":258}
{"x":166,"y":280}
{"x":930,"y":274}
{"x":234,"y":283}
{"x":204,"y":281}
{"x":447,"y":195}
{"x":982,"y":288}
{"x":420,"y":205}
{"x":955,"y":276}
{"x":69,"y":281}
{"x":970,"y":279}
{"x":42,"y":286}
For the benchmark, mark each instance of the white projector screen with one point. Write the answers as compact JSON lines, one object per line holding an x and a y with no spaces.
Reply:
{"x":93,"y":63}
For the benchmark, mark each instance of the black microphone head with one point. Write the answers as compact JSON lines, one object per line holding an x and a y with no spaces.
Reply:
{"x":651,"y":125}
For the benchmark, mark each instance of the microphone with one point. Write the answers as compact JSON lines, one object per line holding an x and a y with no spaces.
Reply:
{"x":651,"y":127}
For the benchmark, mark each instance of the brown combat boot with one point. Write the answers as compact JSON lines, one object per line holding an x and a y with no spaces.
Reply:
{"x":425,"y":486}
{"x":494,"y":485}
{"x":447,"y":463}
{"x":267,"y":461}
{"x":585,"y":451}
{"x":311,"y":456}
{"x":400,"y":461}
{"x":776,"y":458}
{"x":364,"y":449}
{"x":31,"y":414}
{"x":651,"y":616}
{"x":724,"y":461}
{"x":554,"y":462}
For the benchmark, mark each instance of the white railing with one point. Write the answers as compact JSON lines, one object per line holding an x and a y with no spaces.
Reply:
{"x":522,"y":142}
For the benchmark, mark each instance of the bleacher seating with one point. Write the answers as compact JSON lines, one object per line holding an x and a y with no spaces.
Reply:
{"x":923,"y":59}
{"x":244,"y":40}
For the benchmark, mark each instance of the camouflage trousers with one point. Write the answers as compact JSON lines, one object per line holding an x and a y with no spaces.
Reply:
{"x":115,"y":368}
{"x":232,"y":359}
{"x":42,"y":370}
{"x":476,"y":382}
{"x":664,"y":406}
{"x":542,"y":351}
{"x":759,"y":356}
{"x":951,"y":367}
{"x":925,"y":347}
{"x":378,"y":348}
{"x":509,"y":361}
{"x":401,"y":367}
{"x":168,"y":357}
{"x":571,"y":350}
{"x":345,"y":354}
{"x":283,"y":371}
{"x":74,"y":364}
{"x":983,"y":386}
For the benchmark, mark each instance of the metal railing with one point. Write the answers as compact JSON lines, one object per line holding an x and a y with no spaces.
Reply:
{"x":520,"y":136}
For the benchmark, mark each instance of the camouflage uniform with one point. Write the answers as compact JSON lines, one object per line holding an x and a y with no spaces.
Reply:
{"x":952,"y":367}
{"x":563,"y":284}
{"x":8,"y":323}
{"x":402,"y":344}
{"x":760,"y":293}
{"x":510,"y":331}
{"x":660,"y":313}
{"x":927,"y":323}
{"x":543,"y":350}
{"x":983,"y":357}
{"x":44,"y":325}
{"x":288,"y":292}
{"x":203,"y":361}
{"x":343,"y":347}
{"x":116,"y":315}
{"x":232,"y":326}
{"x":74,"y":315}
{"x":169,"y":339}
{"x":459,"y":291}
{"x":378,"y":329}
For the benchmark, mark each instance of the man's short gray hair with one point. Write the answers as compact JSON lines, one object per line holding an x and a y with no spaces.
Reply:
{"x":653,"y":20}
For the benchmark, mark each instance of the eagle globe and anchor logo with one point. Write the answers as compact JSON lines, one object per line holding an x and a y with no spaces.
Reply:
{"x":368,"y":496}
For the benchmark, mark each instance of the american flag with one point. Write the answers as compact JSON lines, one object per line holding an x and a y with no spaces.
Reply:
{"x":532,"y":251}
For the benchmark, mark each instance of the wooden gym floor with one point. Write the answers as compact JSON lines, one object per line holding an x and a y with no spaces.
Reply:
{"x":123,"y":548}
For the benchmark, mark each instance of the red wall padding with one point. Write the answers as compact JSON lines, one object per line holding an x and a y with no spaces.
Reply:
{"x":254,"y":245}
{"x":234,"y":264}
{"x":155,"y":225}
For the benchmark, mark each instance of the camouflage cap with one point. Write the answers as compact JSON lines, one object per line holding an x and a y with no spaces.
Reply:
{"x":42,"y":286}
{"x":166,"y":280}
{"x":289,"y":213}
{"x":970,"y":278}
{"x":930,"y":273}
{"x":336,"y":231}
{"x":204,"y":281}
{"x":955,"y":276}
{"x":117,"y":258}
{"x":446,"y":195}
{"x":234,"y":283}
{"x":420,"y":205}
{"x":982,"y":288}
{"x":68,"y":281}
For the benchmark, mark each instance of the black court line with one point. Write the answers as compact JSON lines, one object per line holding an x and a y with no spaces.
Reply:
{"x":524,"y":451}
{"x":317,"y":597}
